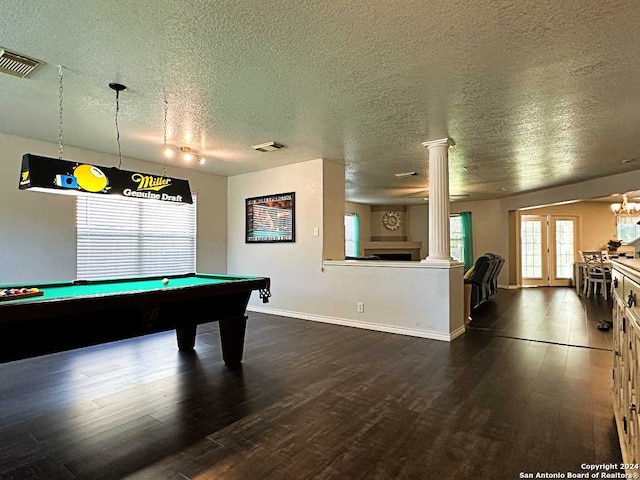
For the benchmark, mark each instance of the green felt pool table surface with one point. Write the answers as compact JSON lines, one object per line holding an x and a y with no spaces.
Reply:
{"x":114,"y":287}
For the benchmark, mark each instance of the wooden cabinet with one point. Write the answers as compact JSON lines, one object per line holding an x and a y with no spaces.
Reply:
{"x":626,"y":362}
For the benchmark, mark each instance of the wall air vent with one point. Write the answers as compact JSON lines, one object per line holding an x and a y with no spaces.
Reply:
{"x":17,"y":64}
{"x":268,"y":147}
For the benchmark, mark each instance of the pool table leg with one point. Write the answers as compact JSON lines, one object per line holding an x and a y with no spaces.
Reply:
{"x":186,"y":338}
{"x":232,"y":339}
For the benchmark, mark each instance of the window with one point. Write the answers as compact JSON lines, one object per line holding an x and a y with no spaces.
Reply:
{"x":627,"y":228}
{"x":531,"y":248}
{"x":564,"y":248}
{"x":120,"y":238}
{"x":457,"y":237}
{"x":351,"y":235}
{"x":461,"y":238}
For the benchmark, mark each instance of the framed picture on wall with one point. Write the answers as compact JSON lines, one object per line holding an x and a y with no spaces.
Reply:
{"x":271,"y":218}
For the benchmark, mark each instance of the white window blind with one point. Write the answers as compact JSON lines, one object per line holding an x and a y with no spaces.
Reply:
{"x":456,"y":237}
{"x":125,"y":237}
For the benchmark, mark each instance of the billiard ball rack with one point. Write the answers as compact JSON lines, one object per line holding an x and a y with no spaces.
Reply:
{"x":16,"y":296}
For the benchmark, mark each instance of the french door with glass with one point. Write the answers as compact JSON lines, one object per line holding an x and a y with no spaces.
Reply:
{"x":547,"y":249}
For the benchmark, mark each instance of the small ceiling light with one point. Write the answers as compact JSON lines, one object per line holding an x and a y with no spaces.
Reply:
{"x":186,"y":154}
{"x":405,"y":174}
{"x":168,"y":151}
{"x":268,"y":147}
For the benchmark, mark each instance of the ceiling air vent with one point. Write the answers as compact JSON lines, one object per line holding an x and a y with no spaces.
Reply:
{"x":268,"y":147}
{"x":16,"y":64}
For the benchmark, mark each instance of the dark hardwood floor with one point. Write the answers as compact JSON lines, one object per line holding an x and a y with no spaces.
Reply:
{"x":555,"y":315}
{"x":319,"y":401}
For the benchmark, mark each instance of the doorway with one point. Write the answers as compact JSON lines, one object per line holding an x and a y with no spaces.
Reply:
{"x":548,"y":247}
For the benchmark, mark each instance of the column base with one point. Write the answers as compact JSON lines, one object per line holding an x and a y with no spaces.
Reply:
{"x":440,"y":261}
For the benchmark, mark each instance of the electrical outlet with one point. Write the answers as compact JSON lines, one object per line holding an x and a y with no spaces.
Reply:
{"x":360,"y":307}
{"x":316,"y":231}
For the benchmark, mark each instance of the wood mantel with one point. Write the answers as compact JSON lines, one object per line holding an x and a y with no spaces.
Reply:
{"x":391,"y":245}
{"x":371,"y":248}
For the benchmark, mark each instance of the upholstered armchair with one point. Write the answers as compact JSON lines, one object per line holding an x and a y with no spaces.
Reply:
{"x":483,"y":277}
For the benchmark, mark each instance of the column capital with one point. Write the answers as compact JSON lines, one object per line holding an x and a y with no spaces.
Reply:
{"x":442,"y":142}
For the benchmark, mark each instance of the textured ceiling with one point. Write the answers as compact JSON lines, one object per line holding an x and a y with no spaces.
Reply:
{"x":534,"y":93}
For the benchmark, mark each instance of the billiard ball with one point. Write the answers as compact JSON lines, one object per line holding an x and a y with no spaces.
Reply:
{"x":90,"y":178}
{"x":165,"y":281}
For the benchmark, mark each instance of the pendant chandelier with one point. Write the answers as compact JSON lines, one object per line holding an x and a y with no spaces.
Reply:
{"x":625,"y":208}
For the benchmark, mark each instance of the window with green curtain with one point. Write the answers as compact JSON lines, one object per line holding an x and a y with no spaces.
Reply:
{"x":461,"y":238}
{"x":351,"y":235}
{"x":467,"y":238}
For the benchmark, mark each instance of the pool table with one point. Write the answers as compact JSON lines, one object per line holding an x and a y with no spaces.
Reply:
{"x":82,"y":313}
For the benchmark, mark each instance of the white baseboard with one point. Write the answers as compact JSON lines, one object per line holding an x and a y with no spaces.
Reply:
{"x":509,"y":287}
{"x":345,"y":322}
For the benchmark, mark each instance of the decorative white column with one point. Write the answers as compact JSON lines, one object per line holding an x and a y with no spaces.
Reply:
{"x":439,"y":235}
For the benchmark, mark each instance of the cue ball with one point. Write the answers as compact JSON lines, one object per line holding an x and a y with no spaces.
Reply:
{"x":165,"y":281}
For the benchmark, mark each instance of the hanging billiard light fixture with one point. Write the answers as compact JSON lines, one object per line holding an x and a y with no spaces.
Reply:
{"x":52,"y":175}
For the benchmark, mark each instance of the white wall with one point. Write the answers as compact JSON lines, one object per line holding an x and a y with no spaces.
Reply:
{"x":402,"y":297}
{"x":38,"y":230}
{"x":409,"y":298}
{"x":294,"y":268}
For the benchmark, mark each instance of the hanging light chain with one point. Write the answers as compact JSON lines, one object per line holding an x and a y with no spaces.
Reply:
{"x":118,"y":128}
{"x":60,"y":111}
{"x":166,"y":108}
{"x":164,"y":163}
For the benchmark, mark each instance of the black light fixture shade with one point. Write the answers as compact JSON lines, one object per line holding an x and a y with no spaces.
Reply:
{"x":118,"y":87}
{"x":61,"y":176}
